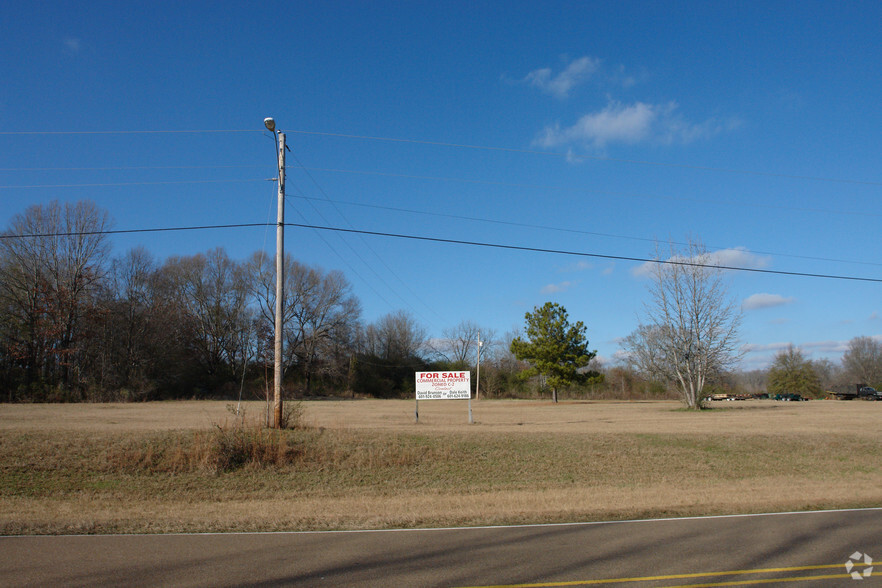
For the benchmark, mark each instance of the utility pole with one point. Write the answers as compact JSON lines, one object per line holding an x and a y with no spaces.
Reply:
{"x":478,"y":383}
{"x":280,"y":276}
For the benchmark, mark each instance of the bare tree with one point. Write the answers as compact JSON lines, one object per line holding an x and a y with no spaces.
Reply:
{"x":211,"y":288}
{"x":691,"y":324}
{"x":753,"y":381}
{"x":862,"y":361}
{"x":51,"y":261}
{"x":320,"y":313}
{"x":501,"y":355}
{"x":459,"y":345}
{"x":395,"y":336}
{"x":326,"y":310}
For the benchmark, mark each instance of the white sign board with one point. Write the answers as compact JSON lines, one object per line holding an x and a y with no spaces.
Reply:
{"x":443,"y":385}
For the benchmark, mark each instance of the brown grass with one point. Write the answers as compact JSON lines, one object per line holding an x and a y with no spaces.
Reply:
{"x":820,"y":417}
{"x":164,"y":467}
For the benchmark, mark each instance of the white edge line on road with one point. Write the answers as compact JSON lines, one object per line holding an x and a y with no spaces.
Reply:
{"x":484,"y":528}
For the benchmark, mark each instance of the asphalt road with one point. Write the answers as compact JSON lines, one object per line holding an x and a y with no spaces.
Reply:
{"x":793,"y":549}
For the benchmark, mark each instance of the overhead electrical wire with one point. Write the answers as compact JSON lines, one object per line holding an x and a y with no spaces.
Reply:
{"x":592,"y":157}
{"x":368,"y":246}
{"x":458,"y":242}
{"x":345,"y":260}
{"x":476,"y":219}
{"x":578,"y":231}
{"x":117,"y":184}
{"x":594,"y":255}
{"x":862,"y":213}
{"x":130,"y":231}
{"x":128,"y":168}
{"x":333,"y":249}
{"x":599,"y":192}
{"x":155,"y":132}
{"x":441,"y":144}
{"x":466,"y":146}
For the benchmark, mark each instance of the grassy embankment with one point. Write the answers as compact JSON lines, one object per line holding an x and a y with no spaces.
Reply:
{"x":169,"y":467}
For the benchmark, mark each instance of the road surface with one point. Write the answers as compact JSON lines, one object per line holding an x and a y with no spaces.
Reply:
{"x":792,"y":549}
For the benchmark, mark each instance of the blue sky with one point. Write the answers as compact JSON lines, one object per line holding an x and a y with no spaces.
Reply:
{"x":602,"y":126}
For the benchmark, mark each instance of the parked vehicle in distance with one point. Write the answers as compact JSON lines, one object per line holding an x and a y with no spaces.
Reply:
{"x":729,"y":397}
{"x":789,"y":397}
{"x":861,"y":392}
{"x":868,"y":393}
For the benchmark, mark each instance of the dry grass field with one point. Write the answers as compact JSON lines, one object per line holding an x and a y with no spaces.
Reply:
{"x":190,"y":466}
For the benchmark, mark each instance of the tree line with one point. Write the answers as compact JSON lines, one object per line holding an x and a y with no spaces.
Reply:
{"x":78,"y":325}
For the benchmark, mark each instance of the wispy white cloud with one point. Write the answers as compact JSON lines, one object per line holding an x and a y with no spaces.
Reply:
{"x":573,"y":158}
{"x":825,"y":346}
{"x":620,"y":356}
{"x":630,"y":124}
{"x":760,"y":356}
{"x":739,"y":257}
{"x":621,"y":78}
{"x":72,"y":44}
{"x":829,"y":346}
{"x":616,"y":123}
{"x":763,"y":300}
{"x":874,"y":316}
{"x":579,"y":266}
{"x":559,"y":85}
{"x":556,"y":288}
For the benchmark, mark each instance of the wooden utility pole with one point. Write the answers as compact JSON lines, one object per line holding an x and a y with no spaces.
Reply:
{"x":280,"y":278}
{"x":280,"y":289}
{"x":478,"y":383}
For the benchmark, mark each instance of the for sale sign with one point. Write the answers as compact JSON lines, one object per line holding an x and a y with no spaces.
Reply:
{"x":443,"y":385}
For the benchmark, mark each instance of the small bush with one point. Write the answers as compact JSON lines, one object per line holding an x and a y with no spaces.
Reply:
{"x":231,"y":448}
{"x":292,"y":415}
{"x":218,"y":450}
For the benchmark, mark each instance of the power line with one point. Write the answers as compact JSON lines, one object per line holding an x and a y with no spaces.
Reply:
{"x":130,"y":231}
{"x":458,"y":242}
{"x":159,"y":132}
{"x":411,"y":211}
{"x":466,"y":146}
{"x":862,"y":213}
{"x":343,"y":259}
{"x":593,"y":255}
{"x":128,"y":168}
{"x":116,"y":184}
{"x":599,"y":192}
{"x":574,"y":231}
{"x":592,"y":157}
{"x":366,"y":244}
{"x":461,"y":217}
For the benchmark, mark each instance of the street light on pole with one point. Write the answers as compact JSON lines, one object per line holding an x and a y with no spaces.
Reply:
{"x":280,"y":273}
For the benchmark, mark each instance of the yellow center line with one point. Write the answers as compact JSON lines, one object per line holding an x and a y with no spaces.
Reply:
{"x":692,"y":575}
{"x":762,"y":581}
